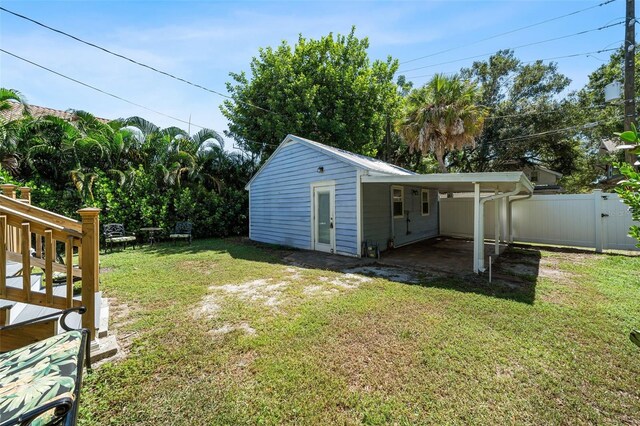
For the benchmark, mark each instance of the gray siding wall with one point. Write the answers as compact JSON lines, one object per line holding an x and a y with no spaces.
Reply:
{"x":280,"y":201}
{"x":376,"y":217}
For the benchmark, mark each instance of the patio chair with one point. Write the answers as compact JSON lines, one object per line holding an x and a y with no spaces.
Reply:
{"x":114,"y":233}
{"x":40,"y":383}
{"x":182,"y":231}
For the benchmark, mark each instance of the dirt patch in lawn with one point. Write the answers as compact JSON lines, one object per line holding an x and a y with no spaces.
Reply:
{"x":389,"y":273}
{"x":208,"y":308}
{"x":228,"y":328}
{"x":264,"y":291}
{"x":204,"y":267}
{"x":120,"y":314}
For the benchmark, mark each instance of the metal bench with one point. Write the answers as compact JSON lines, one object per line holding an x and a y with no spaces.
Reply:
{"x":114,"y":233}
{"x":182,"y":231}
{"x":40,"y":383}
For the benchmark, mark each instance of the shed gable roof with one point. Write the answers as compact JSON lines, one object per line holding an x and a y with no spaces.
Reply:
{"x":372,"y":165}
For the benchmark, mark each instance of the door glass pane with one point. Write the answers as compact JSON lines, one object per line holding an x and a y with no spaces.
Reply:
{"x":324,"y":218}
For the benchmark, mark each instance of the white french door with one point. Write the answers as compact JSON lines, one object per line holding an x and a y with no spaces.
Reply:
{"x":323,"y":209}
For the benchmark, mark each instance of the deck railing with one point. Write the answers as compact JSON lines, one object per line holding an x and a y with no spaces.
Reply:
{"x":21,"y":225}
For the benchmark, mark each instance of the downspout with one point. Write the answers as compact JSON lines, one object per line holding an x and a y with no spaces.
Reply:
{"x":509,"y":211}
{"x":516,"y":190}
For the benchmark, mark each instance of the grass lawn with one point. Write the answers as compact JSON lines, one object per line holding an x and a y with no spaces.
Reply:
{"x":225,"y":333}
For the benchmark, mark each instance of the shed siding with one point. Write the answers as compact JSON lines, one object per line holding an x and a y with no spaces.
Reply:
{"x":280,"y":201}
{"x":377,"y":227}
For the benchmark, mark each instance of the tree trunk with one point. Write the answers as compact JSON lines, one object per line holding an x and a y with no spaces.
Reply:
{"x":440,"y":158}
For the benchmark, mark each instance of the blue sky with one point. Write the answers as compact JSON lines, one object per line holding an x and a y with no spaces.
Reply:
{"x":202,"y":41}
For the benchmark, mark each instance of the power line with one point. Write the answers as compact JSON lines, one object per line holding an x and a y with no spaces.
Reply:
{"x":585,"y":126}
{"x":104,"y":92}
{"x":100,"y":90}
{"x":543,"y":59}
{"x":133,"y":60}
{"x":517,"y":47}
{"x":508,"y":32}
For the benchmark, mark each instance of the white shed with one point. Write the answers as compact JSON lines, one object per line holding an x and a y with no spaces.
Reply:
{"x":312,"y":196}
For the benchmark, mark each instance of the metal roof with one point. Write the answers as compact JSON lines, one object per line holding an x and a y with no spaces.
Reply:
{"x":360,"y":161}
{"x":368,"y":164}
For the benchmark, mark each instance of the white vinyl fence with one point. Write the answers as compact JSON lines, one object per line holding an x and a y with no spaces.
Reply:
{"x":596,"y":220}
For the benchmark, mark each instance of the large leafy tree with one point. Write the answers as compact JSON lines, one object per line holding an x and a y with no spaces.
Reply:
{"x":441,"y":117}
{"x":327,"y":90}
{"x":526,"y":113}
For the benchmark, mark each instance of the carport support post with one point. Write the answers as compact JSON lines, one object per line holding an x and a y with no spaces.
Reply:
{"x":508,"y":212}
{"x":477,"y":238}
{"x":497,"y":204}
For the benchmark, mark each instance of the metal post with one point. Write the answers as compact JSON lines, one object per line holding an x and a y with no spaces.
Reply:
{"x":477,"y":238}
{"x":496,"y":205}
{"x":629,"y":72}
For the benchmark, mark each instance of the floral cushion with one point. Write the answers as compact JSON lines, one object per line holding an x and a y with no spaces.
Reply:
{"x":39,"y":374}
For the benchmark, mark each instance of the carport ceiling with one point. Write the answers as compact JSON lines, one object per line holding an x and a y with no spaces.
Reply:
{"x":460,"y":182}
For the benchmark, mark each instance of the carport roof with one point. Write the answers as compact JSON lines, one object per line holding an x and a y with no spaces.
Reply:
{"x":461,"y":182}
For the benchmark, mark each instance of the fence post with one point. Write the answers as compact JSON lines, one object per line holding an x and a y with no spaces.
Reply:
{"x":89,"y":265}
{"x":597,"y":216}
{"x":9,"y":190}
{"x":25,"y":194}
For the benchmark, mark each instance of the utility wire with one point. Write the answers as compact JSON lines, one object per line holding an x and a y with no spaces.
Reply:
{"x":133,"y":60}
{"x":100,"y":90}
{"x":517,"y":47}
{"x":104,"y":92}
{"x":508,"y":32}
{"x":543,"y":59}
{"x":550,"y":132}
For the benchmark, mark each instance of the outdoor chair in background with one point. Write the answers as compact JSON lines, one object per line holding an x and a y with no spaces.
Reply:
{"x":114,"y":233}
{"x":182,"y":231}
{"x":40,"y":383}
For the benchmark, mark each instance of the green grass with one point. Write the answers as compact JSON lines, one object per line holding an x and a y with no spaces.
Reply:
{"x":552,"y":351}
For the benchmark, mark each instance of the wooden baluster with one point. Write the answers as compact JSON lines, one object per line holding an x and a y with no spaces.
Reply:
{"x":38,"y":246}
{"x":26,"y":260}
{"x":89,"y":265}
{"x":49,"y":257}
{"x":69,"y":264}
{"x":3,"y":257}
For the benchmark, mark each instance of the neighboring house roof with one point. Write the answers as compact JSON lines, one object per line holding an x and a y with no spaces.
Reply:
{"x":362,"y":162}
{"x":516,"y":165}
{"x":608,"y":145}
{"x":544,"y":169}
{"x":15,"y":113}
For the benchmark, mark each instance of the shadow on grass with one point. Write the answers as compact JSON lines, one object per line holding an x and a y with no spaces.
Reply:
{"x":514,"y":273}
{"x":233,"y":246}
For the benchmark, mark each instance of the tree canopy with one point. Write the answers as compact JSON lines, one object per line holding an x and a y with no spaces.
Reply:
{"x":326,"y":90}
{"x":442,"y":116}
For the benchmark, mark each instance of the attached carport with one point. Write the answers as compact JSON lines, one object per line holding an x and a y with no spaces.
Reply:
{"x":498,"y":187}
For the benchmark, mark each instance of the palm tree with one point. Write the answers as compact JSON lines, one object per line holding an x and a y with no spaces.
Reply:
{"x":10,"y":128}
{"x":442,"y":116}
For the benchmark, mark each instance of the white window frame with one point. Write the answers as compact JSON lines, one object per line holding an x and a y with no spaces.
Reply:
{"x":393,"y":188}
{"x":422,"y":192}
